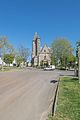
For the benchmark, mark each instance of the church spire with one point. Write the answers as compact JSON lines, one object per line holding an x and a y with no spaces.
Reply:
{"x":36,"y":45}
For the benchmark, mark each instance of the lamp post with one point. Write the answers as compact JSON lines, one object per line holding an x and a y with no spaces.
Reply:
{"x":76,"y":69}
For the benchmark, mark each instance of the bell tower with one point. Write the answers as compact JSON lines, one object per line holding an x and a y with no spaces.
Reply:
{"x":35,"y":49}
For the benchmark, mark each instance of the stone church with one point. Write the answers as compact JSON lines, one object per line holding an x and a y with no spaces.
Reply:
{"x":40,"y":56}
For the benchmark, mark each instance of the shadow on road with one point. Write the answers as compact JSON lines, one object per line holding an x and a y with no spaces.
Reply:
{"x":53,"y":81}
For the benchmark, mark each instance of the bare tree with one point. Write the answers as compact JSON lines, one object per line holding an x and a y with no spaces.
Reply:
{"x":5,"y":46}
{"x":24,"y":53}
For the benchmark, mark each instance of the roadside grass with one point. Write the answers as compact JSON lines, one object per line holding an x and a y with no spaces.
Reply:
{"x":10,"y":69}
{"x":68,"y":106}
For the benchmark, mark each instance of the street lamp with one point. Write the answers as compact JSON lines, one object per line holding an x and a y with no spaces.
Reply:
{"x":76,"y":68}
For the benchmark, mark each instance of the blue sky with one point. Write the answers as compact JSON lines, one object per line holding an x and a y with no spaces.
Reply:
{"x":20,"y":19}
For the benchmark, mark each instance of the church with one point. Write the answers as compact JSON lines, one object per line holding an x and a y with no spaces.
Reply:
{"x":40,"y":56}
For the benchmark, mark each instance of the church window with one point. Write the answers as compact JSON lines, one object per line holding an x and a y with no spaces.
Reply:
{"x":44,"y":57}
{"x":44,"y":50}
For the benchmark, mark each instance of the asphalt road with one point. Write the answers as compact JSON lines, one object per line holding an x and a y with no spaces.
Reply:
{"x":27,"y":94}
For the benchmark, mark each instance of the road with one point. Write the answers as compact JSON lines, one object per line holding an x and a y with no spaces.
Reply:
{"x":27,"y":94}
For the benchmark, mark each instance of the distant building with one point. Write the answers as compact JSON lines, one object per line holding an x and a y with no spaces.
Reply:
{"x":14,"y":63}
{"x":28,"y":64}
{"x":4,"y":64}
{"x":40,"y":57}
{"x":1,"y":61}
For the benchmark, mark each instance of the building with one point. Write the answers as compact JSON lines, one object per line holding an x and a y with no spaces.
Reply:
{"x":2,"y":62}
{"x":40,"y":57}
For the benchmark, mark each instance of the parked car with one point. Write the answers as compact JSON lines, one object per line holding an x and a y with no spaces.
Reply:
{"x":52,"y":67}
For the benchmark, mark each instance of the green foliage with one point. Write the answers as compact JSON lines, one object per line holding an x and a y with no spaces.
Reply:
{"x":62,"y":52}
{"x":71,"y":61}
{"x":53,"y":60}
{"x":19,"y":60}
{"x":8,"y":58}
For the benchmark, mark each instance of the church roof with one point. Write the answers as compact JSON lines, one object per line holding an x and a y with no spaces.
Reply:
{"x":45,"y":49}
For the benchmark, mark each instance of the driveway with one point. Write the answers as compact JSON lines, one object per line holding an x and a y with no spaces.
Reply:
{"x":27,"y":94}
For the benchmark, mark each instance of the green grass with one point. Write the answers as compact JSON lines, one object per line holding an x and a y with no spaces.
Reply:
{"x":7,"y":68}
{"x":68,"y":106}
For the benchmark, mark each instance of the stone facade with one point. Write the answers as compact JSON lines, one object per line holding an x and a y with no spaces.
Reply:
{"x":40,"y":57}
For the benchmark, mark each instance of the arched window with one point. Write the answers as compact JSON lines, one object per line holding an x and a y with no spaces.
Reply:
{"x":44,"y":57}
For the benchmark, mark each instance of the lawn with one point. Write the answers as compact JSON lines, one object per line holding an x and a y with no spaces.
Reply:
{"x":8,"y":68}
{"x":68,"y":106}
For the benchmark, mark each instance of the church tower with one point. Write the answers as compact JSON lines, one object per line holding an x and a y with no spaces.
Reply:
{"x":35,"y":49}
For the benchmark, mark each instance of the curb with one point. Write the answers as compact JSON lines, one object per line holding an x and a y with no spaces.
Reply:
{"x":54,"y":105}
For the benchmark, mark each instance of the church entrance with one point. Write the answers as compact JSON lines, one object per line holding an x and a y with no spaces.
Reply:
{"x":45,"y":63}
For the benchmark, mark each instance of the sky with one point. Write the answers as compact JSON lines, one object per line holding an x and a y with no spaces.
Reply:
{"x":51,"y":19}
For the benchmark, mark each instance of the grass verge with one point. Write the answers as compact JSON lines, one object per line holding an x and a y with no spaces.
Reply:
{"x":68,"y":106}
{"x":5,"y":69}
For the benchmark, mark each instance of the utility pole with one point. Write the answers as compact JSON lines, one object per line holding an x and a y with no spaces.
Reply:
{"x":79,"y":63}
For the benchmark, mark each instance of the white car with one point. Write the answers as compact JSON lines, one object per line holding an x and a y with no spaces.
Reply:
{"x":52,"y":67}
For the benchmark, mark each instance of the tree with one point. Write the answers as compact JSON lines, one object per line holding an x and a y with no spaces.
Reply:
{"x":71,"y":61}
{"x":8,"y":58}
{"x":5,"y":46}
{"x":19,"y":60}
{"x":24,"y":53}
{"x":61,"y":51}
